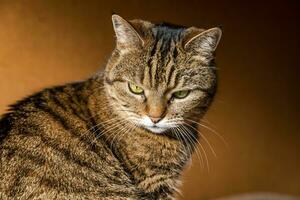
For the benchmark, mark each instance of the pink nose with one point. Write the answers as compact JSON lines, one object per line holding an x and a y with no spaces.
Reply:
{"x":155,"y":119}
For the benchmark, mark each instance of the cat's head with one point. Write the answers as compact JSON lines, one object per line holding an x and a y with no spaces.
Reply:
{"x":161,"y":76}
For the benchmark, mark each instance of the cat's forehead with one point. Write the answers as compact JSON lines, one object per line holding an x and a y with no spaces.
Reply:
{"x":163,"y":66}
{"x":164,"y":70}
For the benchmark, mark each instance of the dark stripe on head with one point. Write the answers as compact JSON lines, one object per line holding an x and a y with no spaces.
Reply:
{"x":149,"y":62}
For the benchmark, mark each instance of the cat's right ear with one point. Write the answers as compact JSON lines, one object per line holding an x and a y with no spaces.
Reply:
{"x":199,"y":40}
{"x":127,"y":37}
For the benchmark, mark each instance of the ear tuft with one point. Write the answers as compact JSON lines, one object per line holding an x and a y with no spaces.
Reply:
{"x":206,"y":41}
{"x":127,"y":36}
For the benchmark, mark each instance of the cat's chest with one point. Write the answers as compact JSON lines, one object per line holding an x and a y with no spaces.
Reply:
{"x":154,"y":165}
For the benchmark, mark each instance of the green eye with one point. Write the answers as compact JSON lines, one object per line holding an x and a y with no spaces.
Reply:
{"x":135,"y":89}
{"x":181,"y":94}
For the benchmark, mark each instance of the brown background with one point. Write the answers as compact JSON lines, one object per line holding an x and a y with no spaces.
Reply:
{"x":44,"y":43}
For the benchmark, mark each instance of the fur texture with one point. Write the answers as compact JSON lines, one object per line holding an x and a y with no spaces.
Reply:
{"x":97,"y":139}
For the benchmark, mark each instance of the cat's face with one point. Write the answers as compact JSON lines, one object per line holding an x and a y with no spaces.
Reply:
{"x":161,"y":77}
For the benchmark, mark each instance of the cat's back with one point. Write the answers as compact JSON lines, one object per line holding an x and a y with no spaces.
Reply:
{"x":48,"y":150}
{"x":51,"y":105}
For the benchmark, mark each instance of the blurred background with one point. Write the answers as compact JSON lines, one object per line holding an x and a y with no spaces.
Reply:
{"x":256,"y":111}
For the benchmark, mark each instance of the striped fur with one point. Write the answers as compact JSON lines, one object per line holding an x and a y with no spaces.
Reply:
{"x":84,"y":141}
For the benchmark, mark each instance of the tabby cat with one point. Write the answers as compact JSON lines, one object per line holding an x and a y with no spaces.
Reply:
{"x":125,"y":133}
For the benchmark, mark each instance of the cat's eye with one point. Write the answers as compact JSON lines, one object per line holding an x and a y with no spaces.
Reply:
{"x":135,"y":89}
{"x":181,"y":94}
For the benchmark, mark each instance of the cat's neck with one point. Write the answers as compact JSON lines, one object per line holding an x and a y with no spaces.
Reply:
{"x":153,"y":161}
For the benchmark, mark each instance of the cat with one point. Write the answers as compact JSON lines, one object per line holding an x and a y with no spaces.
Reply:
{"x":125,"y":133}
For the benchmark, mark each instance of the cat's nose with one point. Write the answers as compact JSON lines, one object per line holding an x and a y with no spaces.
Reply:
{"x":155,"y":119}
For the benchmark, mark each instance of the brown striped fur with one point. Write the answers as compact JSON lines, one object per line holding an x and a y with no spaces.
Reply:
{"x":87,"y":140}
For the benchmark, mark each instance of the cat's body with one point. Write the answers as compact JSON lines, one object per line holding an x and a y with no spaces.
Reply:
{"x":92,"y":140}
{"x":51,"y":147}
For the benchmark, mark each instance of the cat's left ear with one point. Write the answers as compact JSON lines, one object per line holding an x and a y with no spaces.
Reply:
{"x":127,"y":36}
{"x":205,"y":41}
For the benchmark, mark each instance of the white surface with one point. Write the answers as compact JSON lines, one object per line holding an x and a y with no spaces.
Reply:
{"x":260,"y":196}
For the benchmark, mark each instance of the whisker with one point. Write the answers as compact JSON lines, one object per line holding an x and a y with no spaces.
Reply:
{"x":205,"y":139}
{"x":197,"y":151}
{"x":210,"y":129}
{"x":203,"y":150}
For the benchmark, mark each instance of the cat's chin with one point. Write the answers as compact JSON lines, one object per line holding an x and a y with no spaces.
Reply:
{"x":155,"y":129}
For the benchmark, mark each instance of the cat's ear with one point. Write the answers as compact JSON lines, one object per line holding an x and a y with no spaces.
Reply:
{"x":127,"y":36}
{"x":202,"y":41}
